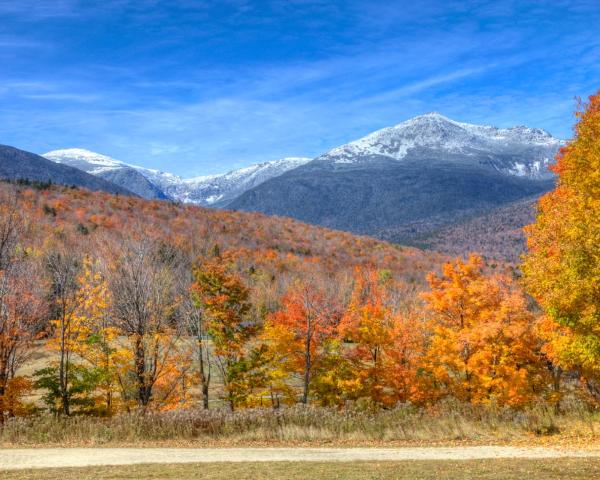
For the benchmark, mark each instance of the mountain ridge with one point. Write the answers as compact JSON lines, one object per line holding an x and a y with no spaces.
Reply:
{"x":208,"y":190}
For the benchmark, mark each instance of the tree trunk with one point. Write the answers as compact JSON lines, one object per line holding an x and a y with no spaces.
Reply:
{"x":63,"y":368}
{"x":2,"y":393}
{"x":144,"y":390}
{"x":204,"y":377}
{"x":307,"y":367}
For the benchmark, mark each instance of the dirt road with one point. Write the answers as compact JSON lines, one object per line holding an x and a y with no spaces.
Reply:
{"x":13,"y":459}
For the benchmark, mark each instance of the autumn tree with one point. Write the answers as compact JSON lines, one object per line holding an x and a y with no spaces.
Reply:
{"x":222,"y":296}
{"x":384,"y":343}
{"x":21,"y":303}
{"x":63,"y":268}
{"x":301,"y":332}
{"x":562,"y":268}
{"x":97,"y":340}
{"x":196,"y":325}
{"x":144,"y":303}
{"x":483,"y":346}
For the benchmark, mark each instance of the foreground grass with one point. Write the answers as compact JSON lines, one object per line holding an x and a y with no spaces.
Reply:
{"x":448,"y":423}
{"x":573,"y":469}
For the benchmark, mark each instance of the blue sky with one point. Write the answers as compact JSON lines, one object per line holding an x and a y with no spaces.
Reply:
{"x":198,"y":87}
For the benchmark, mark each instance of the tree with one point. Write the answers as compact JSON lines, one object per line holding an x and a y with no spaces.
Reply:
{"x":21,"y":305}
{"x":197,"y":326}
{"x":483,"y":346}
{"x":222,"y":296}
{"x":144,"y":303}
{"x":301,"y":331}
{"x":97,"y":341}
{"x":562,"y":267}
{"x":63,"y":267}
{"x":384,"y":345}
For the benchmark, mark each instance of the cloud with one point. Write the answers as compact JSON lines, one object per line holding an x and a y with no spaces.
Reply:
{"x":32,"y":10}
{"x":63,"y":97}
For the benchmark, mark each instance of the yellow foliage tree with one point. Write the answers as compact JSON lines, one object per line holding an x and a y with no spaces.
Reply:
{"x":562,"y":268}
{"x":95,"y":337}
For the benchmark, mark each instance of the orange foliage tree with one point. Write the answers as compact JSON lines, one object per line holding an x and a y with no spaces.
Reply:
{"x":483,"y":346}
{"x":302,"y":331}
{"x":384,"y":343}
{"x":223,"y":297}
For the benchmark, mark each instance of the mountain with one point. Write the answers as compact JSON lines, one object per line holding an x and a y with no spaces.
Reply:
{"x":404,"y":182}
{"x":518,"y":151}
{"x":211,"y":190}
{"x":109,"y":169}
{"x":18,"y":164}
{"x":218,"y":190}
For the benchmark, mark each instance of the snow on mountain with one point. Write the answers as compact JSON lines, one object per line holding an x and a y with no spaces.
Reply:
{"x":217,"y":190}
{"x":208,"y":190}
{"x":528,"y":151}
{"x":83,"y":159}
{"x":109,"y":169}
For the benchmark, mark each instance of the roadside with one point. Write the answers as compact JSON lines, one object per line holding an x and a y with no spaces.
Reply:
{"x":14,"y":459}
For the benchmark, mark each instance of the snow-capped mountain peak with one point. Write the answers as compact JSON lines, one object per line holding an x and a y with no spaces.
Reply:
{"x":80,"y":157}
{"x":439,"y":135}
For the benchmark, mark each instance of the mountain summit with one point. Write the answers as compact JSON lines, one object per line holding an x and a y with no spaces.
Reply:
{"x":527,"y":151}
{"x":109,"y":169}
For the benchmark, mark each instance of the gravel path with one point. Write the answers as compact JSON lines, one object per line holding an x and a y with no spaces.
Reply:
{"x":13,"y":459}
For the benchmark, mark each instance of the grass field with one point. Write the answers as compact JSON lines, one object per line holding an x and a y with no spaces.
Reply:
{"x":573,"y":469}
{"x":450,"y":423}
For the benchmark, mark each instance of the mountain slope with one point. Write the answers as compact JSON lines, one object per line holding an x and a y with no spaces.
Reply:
{"x":497,"y":234}
{"x":18,"y":164}
{"x":109,"y":169}
{"x":211,"y":190}
{"x":218,"y":190}
{"x":406,"y":181}
{"x":270,"y":251}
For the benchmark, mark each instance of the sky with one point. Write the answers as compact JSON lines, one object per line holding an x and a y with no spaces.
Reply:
{"x":198,"y":87}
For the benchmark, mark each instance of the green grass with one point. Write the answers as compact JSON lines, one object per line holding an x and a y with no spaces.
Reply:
{"x":573,"y":469}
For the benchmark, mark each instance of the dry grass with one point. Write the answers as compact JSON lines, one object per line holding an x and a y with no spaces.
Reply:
{"x":573,"y":469}
{"x":449,"y":423}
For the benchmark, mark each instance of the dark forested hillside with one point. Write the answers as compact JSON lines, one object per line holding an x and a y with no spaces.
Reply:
{"x":18,"y":164}
{"x":497,"y":234}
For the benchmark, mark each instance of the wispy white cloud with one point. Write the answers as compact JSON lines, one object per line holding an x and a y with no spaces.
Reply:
{"x":63,"y":97}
